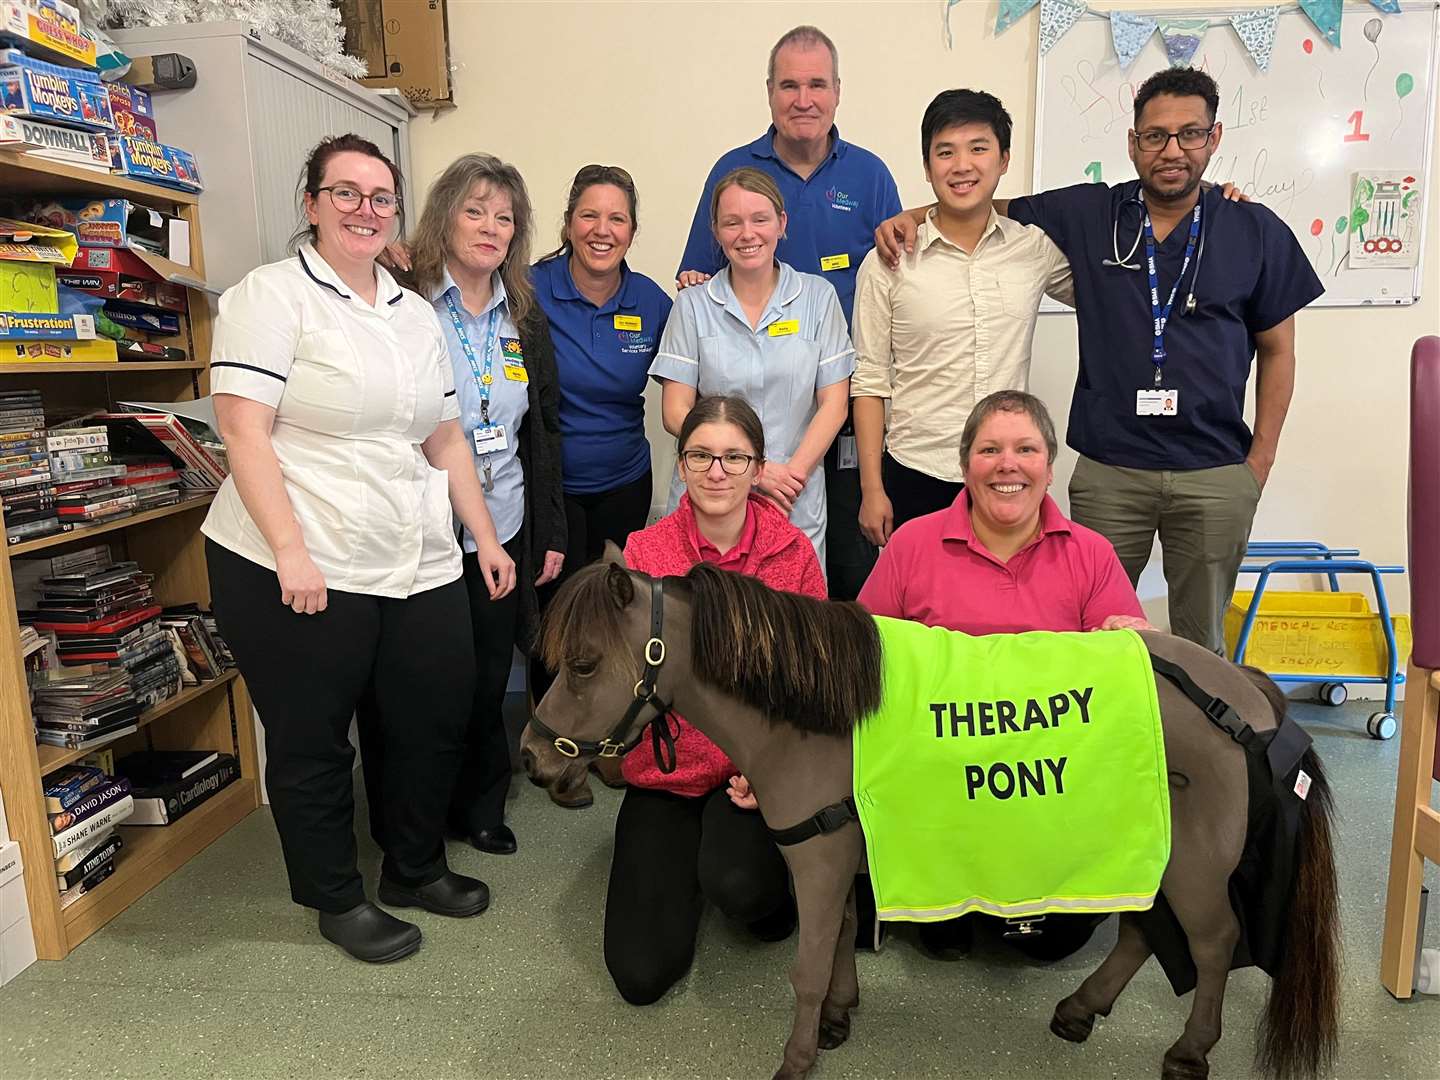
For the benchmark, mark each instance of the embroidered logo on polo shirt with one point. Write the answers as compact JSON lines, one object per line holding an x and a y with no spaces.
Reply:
{"x":840,"y":201}
{"x":633,"y":343}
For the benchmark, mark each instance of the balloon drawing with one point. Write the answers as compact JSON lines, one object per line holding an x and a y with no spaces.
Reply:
{"x":1404,"y":83}
{"x":1372,"y":35}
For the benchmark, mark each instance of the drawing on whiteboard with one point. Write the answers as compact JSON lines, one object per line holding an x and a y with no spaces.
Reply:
{"x":1385,"y":219}
{"x":1404,"y":83}
{"x":1309,"y":46}
{"x":1316,"y":228}
{"x":1372,"y":35}
{"x":1340,"y":224}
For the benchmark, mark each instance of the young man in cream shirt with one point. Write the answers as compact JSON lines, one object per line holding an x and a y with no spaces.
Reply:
{"x":953,"y":323}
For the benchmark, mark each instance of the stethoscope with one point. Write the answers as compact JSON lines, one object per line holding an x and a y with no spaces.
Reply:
{"x":1128,"y":263}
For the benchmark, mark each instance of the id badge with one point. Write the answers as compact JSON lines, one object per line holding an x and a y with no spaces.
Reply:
{"x":846,"y":456}
{"x":515,"y":372}
{"x":489,"y":440}
{"x":1157,"y":402}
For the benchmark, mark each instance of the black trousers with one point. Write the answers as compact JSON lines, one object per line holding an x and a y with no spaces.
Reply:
{"x":593,"y":518}
{"x":849,"y":557}
{"x":306,"y":674}
{"x":477,"y":798}
{"x":672,"y":853}
{"x":914,"y":493}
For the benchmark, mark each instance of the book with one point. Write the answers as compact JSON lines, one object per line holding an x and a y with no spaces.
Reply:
{"x":78,"y":742}
{"x":107,"y":817}
{"x":70,"y":895}
{"x":151,"y":768}
{"x":91,"y":804}
{"x":163,"y":805}
{"x":63,"y":789}
{"x":82,"y":851}
{"x":97,"y":857}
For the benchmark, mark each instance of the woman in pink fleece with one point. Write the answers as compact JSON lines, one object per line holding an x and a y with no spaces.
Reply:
{"x":693,"y":835}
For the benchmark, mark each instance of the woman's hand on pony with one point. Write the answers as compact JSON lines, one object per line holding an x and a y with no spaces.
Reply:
{"x":1126,"y":622}
{"x":741,"y":794}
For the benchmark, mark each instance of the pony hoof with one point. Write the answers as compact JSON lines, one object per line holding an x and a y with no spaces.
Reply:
{"x":833,"y":1033}
{"x":1073,"y":1029}
{"x":1180,"y":1069}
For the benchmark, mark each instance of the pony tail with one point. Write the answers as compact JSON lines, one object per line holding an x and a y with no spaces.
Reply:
{"x":1296,"y":1037}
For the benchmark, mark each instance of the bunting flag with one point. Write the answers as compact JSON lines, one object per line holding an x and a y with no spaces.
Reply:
{"x":1056,"y":17}
{"x":1256,"y":30}
{"x":1325,"y":14}
{"x":1130,"y":33}
{"x":1182,"y":38}
{"x":1390,"y":7}
{"x":1010,"y":12}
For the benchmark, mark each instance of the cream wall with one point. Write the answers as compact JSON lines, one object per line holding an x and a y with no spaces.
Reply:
{"x":664,"y":88}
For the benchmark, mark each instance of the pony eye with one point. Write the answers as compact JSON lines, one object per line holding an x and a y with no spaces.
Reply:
{"x":582,"y":668}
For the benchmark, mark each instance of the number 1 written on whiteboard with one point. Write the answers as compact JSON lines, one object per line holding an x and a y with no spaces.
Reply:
{"x":1093,"y":172}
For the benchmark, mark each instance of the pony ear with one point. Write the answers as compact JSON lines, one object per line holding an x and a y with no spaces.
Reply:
{"x":613,"y":554}
{"x":622,"y":588}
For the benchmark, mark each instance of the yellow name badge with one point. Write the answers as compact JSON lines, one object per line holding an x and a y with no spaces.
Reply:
{"x":627,"y":322}
{"x":516,"y":372}
{"x":835,"y":262}
{"x":784,"y":328}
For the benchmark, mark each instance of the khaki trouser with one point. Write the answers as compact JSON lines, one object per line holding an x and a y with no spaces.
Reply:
{"x":1203,"y":517}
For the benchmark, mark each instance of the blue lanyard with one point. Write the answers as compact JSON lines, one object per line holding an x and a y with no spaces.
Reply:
{"x":484,"y":379}
{"x":1159,"y":315}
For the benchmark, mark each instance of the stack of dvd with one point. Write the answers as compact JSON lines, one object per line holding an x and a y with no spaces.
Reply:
{"x":116,"y":659}
{"x":89,"y":485}
{"x":27,"y":492}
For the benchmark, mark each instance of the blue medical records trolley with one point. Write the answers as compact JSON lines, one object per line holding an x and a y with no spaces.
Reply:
{"x":1313,"y":557}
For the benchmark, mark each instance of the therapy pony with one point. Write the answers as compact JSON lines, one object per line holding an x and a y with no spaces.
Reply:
{"x":781,"y":683}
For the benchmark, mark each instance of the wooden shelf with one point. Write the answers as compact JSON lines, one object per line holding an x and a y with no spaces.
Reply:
{"x":25,"y":367}
{"x":76,"y":535}
{"x":29,"y":174}
{"x":151,"y":853}
{"x":54,"y":757}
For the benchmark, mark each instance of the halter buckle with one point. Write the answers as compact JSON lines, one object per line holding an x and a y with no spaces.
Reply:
{"x":566,"y":747}
{"x":650,"y":647}
{"x":610,"y":749}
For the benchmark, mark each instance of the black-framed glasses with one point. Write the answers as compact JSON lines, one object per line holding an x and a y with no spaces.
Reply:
{"x":1153,"y":140}
{"x":734,"y":463}
{"x":347,"y":200}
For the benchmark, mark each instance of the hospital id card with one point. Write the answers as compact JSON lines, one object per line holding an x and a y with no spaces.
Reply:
{"x":1157,"y":402}
{"x":846,"y":456}
{"x":490,"y":440}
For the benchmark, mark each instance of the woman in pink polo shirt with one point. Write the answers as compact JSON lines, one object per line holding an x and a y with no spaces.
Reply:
{"x":1003,"y":559}
{"x":693,"y":835}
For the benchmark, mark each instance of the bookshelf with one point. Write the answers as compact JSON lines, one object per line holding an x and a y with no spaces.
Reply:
{"x":167,"y":542}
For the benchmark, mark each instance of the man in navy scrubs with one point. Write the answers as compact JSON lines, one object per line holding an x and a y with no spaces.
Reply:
{"x":836,"y":193}
{"x":1177,"y":290}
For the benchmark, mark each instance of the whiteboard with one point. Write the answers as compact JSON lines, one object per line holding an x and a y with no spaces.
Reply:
{"x":1293,"y":137}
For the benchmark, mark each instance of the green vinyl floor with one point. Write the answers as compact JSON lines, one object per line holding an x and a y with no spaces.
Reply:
{"x":215,"y":974}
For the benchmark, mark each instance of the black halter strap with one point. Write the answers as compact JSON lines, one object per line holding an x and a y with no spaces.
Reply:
{"x":662,"y":732}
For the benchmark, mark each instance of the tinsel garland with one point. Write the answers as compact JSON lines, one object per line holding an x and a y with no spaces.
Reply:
{"x":312,"y":26}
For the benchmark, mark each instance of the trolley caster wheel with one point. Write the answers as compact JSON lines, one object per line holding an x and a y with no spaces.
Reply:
{"x":1333,"y":693}
{"x":1381,"y":725}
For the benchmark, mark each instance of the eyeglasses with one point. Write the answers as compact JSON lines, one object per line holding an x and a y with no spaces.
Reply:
{"x":699,"y":461}
{"x":347,"y":200}
{"x":1153,"y":140}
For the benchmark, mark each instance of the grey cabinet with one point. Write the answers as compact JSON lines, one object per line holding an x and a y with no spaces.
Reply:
{"x":256,"y":110}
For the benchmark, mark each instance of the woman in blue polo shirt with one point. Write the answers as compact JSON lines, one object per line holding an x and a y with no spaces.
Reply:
{"x":605,"y":320}
{"x":763,"y":331}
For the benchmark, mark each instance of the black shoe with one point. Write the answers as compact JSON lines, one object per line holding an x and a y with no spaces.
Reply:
{"x":778,"y":925}
{"x":369,"y":934}
{"x":495,"y":841}
{"x":454,"y":894}
{"x":948,"y":940}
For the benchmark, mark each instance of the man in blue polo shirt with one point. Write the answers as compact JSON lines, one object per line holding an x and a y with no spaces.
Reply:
{"x":836,"y":193}
{"x":1177,"y":290}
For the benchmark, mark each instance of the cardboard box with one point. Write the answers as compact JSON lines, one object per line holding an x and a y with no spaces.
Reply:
{"x":157,"y":163}
{"x":50,"y":93}
{"x":118,"y":285}
{"x":24,"y":326}
{"x":404,"y":44}
{"x":29,"y":287}
{"x":98,"y":351}
{"x":17,"y":948}
{"x":133,"y":110}
{"x":88,"y":149}
{"x":49,"y":29}
{"x":25,"y":241}
{"x":115,"y":223}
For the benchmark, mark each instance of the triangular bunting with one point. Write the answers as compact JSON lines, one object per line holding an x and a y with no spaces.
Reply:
{"x":1129,"y":33}
{"x":1010,"y":12}
{"x":1256,"y":29}
{"x":1325,"y":14}
{"x":1390,"y":7}
{"x":1056,"y":17}
{"x":1182,"y":38}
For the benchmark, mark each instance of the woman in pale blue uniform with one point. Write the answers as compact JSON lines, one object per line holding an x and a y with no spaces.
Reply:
{"x":767,"y":332}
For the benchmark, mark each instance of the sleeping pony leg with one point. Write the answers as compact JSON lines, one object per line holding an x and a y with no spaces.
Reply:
{"x":824,"y":870}
{"x":1075,"y":1016}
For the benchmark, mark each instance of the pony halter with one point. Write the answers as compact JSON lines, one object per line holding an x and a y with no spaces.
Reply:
{"x":662,"y":734}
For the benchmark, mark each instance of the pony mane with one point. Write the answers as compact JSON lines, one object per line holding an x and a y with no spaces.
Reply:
{"x":584,"y":618}
{"x":813,"y":664}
